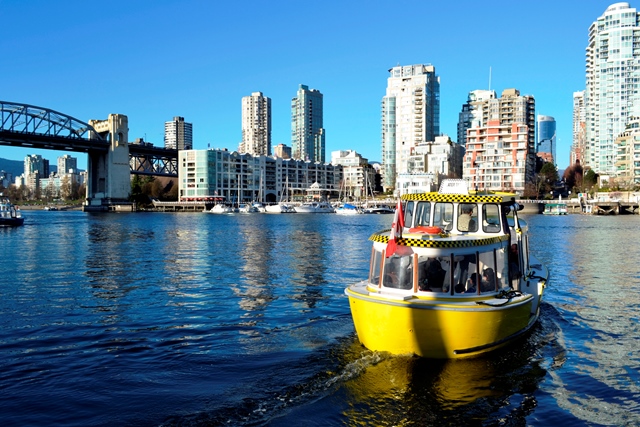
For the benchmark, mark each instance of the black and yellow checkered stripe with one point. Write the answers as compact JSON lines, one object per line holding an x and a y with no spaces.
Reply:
{"x":460,"y":198}
{"x":439,"y":242}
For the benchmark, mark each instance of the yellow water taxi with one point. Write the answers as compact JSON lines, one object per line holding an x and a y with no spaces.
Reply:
{"x":453,"y":278}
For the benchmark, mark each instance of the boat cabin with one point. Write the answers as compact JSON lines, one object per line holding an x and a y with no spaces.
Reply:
{"x":452,"y":243}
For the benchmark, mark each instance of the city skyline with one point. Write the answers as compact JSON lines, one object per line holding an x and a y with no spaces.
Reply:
{"x":348,"y":62}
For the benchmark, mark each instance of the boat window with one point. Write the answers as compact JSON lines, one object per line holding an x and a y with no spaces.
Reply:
{"x":423,"y":213}
{"x":433,"y":274}
{"x":491,"y":218}
{"x":443,"y":215}
{"x":398,"y":272}
{"x":408,"y":213}
{"x":467,"y":217}
{"x":374,"y":271}
{"x":484,"y":269}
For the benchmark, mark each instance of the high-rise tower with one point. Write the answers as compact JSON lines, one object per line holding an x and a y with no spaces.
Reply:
{"x":256,"y":125}
{"x":410,"y":116}
{"x":307,"y":131}
{"x":612,"y":92}
{"x":178,"y":135}
{"x":547,"y":136}
{"x":501,"y":146}
{"x":579,"y":130}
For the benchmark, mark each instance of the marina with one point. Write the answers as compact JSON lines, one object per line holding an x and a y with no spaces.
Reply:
{"x":175,"y":319}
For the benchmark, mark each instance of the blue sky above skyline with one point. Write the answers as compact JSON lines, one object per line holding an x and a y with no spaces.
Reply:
{"x":153,"y":60}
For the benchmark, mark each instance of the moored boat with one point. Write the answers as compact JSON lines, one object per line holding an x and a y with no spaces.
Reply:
{"x":280,"y":208}
{"x":378,"y":209}
{"x":315,"y":207}
{"x":10,"y":216}
{"x":555,"y":209}
{"x":453,"y":278}
{"x":221,"y":208}
{"x":348,"y":209}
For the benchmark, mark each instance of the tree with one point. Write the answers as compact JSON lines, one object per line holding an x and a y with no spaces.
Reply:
{"x":65,"y":187}
{"x":590,"y":179}
{"x":573,"y":177}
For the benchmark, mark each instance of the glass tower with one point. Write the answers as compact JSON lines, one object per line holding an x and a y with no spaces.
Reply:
{"x":612,"y":94}
{"x":547,"y":136}
{"x":307,"y":132}
{"x":410,"y":116}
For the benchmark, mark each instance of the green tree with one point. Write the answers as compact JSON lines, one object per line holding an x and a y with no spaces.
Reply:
{"x":590,"y":179}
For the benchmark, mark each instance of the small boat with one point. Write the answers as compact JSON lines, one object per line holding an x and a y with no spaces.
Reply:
{"x":315,"y":207}
{"x":378,"y":209}
{"x":453,"y":278}
{"x":555,"y":209}
{"x":221,"y":208}
{"x":10,"y":216}
{"x":348,"y":209}
{"x":247,"y":208}
{"x":280,"y":208}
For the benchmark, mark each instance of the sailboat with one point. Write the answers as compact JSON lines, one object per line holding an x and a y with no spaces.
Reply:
{"x":282,"y":206}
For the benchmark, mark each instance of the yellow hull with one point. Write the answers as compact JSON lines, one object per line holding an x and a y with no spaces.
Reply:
{"x":437,"y":328}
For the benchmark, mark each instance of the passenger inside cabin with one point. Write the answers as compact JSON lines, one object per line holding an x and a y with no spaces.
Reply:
{"x":488,"y":280}
{"x":466,"y":221}
{"x":432,"y":275}
{"x":472,"y":283}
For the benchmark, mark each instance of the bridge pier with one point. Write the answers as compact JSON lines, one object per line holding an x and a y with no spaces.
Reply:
{"x":109,"y":174}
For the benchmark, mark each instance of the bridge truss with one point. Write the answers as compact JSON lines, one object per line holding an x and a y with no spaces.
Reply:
{"x":23,"y":125}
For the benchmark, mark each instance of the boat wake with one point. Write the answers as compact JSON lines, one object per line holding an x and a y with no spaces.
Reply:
{"x":276,"y":401}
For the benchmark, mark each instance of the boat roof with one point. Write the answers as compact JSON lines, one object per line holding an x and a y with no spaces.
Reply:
{"x":461,"y":198}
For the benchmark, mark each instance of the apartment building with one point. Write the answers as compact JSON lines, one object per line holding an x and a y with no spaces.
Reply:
{"x":256,"y":125}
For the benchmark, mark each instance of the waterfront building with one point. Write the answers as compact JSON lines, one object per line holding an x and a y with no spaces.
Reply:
{"x":472,"y":113}
{"x":67,"y":164}
{"x":178,"y":134}
{"x":410,"y":116}
{"x":307,"y":129}
{"x":627,"y":151}
{"x":428,"y":164}
{"x":283,"y":151}
{"x":207,"y":175}
{"x":358,"y":175}
{"x":256,"y":125}
{"x":500,"y":152}
{"x":612,"y":92}
{"x":35,"y":168}
{"x":547,"y":138}
{"x":579,"y":128}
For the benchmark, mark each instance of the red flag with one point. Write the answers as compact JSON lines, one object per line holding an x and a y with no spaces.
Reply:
{"x":396,"y":230}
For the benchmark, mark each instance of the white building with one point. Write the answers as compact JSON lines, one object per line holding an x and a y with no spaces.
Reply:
{"x":358,"y":176}
{"x":178,"y":134}
{"x":612,"y":92}
{"x":410,"y":116}
{"x":430,"y":163}
{"x":207,"y":175}
{"x":256,"y":125}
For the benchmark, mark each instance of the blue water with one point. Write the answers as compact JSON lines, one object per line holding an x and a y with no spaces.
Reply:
{"x":161,"y":319}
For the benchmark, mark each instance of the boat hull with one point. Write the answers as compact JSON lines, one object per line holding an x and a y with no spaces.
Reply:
{"x":11,"y":222}
{"x":437,"y":328}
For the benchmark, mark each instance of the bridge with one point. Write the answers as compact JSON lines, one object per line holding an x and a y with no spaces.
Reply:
{"x":111,"y":158}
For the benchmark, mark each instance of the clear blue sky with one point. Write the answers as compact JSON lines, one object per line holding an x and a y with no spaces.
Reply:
{"x":153,"y":60}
